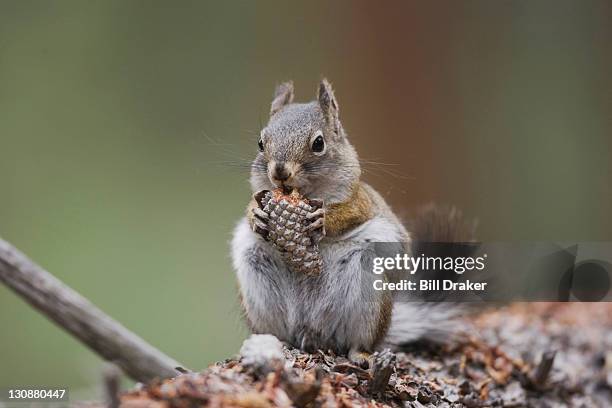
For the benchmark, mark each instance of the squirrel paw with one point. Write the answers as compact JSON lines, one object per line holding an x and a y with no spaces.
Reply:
{"x":258,"y":218}
{"x":317,"y":220}
{"x":259,"y":222}
{"x":360,"y":358}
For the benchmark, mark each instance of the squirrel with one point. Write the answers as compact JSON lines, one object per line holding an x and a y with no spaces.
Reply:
{"x":305,"y":147}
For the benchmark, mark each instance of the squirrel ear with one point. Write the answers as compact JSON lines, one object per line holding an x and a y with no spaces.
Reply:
{"x":282,"y":96}
{"x":328,"y":102}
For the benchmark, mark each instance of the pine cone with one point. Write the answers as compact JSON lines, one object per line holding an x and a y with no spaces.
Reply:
{"x":288,"y":229}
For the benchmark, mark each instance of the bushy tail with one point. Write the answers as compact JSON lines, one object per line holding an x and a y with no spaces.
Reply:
{"x":437,"y":231}
{"x":440,"y":224}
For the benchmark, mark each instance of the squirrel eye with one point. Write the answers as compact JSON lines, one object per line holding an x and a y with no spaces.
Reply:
{"x":260,"y":145}
{"x":318,"y":144}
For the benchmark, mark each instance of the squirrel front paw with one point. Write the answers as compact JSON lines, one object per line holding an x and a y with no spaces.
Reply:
{"x":260,"y":222}
{"x":258,"y":218}
{"x":317,"y":220}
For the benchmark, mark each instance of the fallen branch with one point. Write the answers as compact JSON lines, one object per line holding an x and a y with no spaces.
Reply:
{"x":82,"y":319}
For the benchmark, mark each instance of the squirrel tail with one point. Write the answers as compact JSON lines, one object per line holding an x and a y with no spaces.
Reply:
{"x":440,"y":224}
{"x":413,"y":322}
{"x":436,"y":231}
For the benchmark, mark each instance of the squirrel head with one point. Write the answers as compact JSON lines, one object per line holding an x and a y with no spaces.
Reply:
{"x":305,"y":147}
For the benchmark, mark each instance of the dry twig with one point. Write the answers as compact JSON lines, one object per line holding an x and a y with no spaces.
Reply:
{"x":75,"y":314}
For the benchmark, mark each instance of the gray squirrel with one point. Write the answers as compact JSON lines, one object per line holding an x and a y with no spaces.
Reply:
{"x":305,"y":147}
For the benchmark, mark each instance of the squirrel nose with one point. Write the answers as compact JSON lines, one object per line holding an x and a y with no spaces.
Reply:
{"x":280,"y":172}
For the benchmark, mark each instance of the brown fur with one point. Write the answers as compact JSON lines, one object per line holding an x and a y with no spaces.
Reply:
{"x":341,"y":217}
{"x":384,"y":319}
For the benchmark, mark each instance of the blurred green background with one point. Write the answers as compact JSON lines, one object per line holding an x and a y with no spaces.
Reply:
{"x":121,"y":124}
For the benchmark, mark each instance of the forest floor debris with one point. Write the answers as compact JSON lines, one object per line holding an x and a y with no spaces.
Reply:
{"x":536,"y":355}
